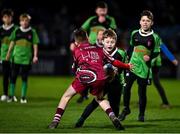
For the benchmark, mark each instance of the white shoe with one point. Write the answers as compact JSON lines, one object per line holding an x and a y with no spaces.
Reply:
{"x":4,"y":98}
{"x":12,"y":99}
{"x":23,"y":101}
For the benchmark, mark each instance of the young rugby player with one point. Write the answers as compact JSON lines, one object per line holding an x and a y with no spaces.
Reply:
{"x":144,"y":46}
{"x":24,"y":40}
{"x":5,"y":32}
{"x":100,"y":21}
{"x":84,"y":95}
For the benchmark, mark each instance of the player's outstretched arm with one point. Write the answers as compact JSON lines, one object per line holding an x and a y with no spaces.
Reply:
{"x":168,"y":54}
{"x":120,"y":64}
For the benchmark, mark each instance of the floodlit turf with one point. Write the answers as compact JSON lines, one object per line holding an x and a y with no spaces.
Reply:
{"x":43,"y":97}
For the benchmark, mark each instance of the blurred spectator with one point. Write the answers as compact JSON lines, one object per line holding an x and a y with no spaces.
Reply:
{"x":43,"y":35}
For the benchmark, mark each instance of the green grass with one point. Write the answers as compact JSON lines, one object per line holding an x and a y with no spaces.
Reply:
{"x":43,"y":97}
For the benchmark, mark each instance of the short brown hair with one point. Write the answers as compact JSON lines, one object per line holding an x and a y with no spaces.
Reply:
{"x":7,"y":12}
{"x":101,"y":4}
{"x":25,"y":15}
{"x":109,"y":33}
{"x":147,"y":13}
{"x":80,"y":35}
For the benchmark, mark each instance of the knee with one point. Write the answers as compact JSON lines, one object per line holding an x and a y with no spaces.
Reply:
{"x":99,"y":98}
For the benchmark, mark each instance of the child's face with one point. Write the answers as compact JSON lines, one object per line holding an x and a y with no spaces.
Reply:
{"x":146,"y":23}
{"x":109,"y":44}
{"x":24,"y":22}
{"x":101,"y":11}
{"x":100,"y":36}
{"x":7,"y":19}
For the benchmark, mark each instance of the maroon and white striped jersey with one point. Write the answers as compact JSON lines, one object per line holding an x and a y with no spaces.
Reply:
{"x":91,"y":57}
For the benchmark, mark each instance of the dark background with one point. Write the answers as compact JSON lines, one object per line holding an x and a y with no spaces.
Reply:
{"x":55,"y":21}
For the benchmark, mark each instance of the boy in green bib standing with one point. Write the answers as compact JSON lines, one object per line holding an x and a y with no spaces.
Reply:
{"x":25,"y":41}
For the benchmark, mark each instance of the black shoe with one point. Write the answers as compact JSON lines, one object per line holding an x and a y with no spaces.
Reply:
{"x":116,"y":122}
{"x":53,"y":125}
{"x":141,"y":118}
{"x":79,"y":123}
{"x":123,"y":115}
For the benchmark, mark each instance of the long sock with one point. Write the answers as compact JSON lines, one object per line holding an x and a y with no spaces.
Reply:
{"x":24,"y":89}
{"x":58,"y":115}
{"x":12,"y":89}
{"x":109,"y":112}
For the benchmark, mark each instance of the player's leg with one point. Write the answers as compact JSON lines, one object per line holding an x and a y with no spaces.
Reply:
{"x":6,"y":76}
{"x":87,"y":111}
{"x":104,"y":104}
{"x":130,"y":78}
{"x":159,"y":87}
{"x":75,"y":87}
{"x":114,"y":95}
{"x":13,"y":77}
{"x":24,"y":74}
{"x":142,"y":87}
{"x":69,"y":93}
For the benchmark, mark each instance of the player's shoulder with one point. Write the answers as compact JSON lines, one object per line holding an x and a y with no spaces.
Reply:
{"x":134,"y":31}
{"x":121,"y":51}
{"x":155,"y":34}
{"x":33,"y":29}
{"x":15,"y":26}
{"x":91,"y":18}
{"x":110,"y":17}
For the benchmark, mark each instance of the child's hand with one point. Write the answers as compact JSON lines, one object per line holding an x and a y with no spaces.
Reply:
{"x":35,"y":59}
{"x":7,"y":56}
{"x":146,"y":58}
{"x":131,"y":66}
{"x":175,"y":62}
{"x":72,"y":46}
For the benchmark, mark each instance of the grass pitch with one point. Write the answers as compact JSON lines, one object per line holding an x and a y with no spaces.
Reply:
{"x":43,"y":96}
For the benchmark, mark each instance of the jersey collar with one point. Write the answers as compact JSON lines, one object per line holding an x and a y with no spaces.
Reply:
{"x":7,"y":27}
{"x":25,"y":30}
{"x":145,"y":34}
{"x":113,"y":53}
